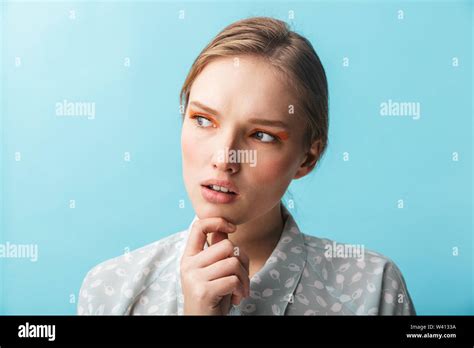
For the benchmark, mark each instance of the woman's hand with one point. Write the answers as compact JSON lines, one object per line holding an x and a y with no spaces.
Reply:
{"x":214,"y":277}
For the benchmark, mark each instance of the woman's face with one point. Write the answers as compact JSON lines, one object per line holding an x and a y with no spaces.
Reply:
{"x":251,"y":139}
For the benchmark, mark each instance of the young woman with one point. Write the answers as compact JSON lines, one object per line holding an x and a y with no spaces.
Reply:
{"x":255,"y":117}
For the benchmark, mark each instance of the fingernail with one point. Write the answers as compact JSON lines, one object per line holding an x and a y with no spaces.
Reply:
{"x":231,"y":225}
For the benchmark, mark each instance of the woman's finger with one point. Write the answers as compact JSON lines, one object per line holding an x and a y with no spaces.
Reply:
{"x":219,"y":251}
{"x":227,"y":267}
{"x":227,"y":286}
{"x":199,"y":231}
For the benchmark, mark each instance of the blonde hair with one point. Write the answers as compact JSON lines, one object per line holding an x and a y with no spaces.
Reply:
{"x":290,"y":53}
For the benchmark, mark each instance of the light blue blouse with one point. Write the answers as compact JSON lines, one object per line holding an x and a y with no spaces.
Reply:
{"x":305,"y":275}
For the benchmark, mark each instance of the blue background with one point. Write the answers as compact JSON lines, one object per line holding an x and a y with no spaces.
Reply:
{"x":122,"y":205}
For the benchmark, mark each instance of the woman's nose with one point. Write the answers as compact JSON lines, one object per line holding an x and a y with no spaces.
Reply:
{"x":225,"y":160}
{"x":224,"y":157}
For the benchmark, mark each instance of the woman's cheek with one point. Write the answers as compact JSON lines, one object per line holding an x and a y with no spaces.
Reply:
{"x":185,"y":145}
{"x":189,"y":147}
{"x":189,"y":142}
{"x":195,"y":153}
{"x":273,"y":173}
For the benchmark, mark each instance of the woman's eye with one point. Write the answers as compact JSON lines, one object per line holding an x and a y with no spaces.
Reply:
{"x":203,"y":122}
{"x":265,"y":137}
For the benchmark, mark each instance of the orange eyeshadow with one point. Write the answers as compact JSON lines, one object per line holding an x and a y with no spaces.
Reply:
{"x":282,"y":135}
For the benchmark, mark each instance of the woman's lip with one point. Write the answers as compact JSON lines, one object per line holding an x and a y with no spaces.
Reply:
{"x":224,"y":183}
{"x":217,"y":197}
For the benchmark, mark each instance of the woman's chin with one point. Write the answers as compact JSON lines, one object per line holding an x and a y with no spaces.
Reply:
{"x":205,"y":211}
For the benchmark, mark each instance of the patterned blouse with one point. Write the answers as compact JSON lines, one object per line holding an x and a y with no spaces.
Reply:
{"x":305,"y":275}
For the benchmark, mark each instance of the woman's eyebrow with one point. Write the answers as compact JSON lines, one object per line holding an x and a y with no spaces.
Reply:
{"x":267,"y":122}
{"x":204,"y":107}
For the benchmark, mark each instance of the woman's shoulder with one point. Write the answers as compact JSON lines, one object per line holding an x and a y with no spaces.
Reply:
{"x":120,"y":279}
{"x":156,"y":253}
{"x":361,"y":272}
{"x":330,"y":249}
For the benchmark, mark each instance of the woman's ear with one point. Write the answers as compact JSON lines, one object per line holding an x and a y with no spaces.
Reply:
{"x":310,"y":159}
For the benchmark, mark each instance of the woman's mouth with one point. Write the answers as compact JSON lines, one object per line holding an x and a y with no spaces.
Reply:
{"x":217,"y":194}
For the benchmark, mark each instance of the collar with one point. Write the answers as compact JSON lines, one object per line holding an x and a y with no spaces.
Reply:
{"x":273,"y":286}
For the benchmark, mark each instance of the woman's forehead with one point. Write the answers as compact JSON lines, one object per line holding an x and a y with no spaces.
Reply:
{"x":252,"y":88}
